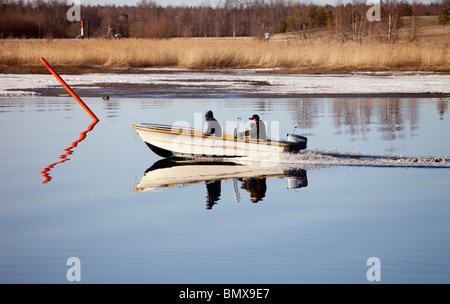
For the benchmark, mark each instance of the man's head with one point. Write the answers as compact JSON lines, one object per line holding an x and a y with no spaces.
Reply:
{"x":254,"y":118}
{"x":209,"y":114}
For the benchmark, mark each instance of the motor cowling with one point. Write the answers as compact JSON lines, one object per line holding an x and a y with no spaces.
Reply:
{"x":296,"y":142}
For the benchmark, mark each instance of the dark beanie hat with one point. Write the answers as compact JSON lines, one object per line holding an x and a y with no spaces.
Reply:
{"x":209,"y":114}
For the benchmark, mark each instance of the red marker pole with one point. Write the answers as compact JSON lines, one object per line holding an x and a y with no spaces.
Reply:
{"x":74,"y":95}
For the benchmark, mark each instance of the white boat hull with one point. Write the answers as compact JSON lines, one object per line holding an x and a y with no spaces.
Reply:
{"x":170,"y":141}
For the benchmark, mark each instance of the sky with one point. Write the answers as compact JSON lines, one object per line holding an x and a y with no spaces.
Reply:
{"x":213,"y":3}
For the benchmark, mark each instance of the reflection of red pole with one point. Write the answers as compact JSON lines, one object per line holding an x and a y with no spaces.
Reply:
{"x":74,"y":95}
{"x":68,"y":150}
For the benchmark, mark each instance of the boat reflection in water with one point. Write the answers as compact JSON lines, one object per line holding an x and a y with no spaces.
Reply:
{"x":167,"y":173}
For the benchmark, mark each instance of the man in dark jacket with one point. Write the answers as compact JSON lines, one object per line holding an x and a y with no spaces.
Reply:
{"x":257,"y":129}
{"x":213,"y":127}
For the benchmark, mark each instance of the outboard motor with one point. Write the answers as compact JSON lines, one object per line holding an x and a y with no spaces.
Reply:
{"x":296,"y":143}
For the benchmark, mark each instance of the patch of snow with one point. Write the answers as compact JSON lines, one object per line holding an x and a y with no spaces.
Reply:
{"x":244,"y":80}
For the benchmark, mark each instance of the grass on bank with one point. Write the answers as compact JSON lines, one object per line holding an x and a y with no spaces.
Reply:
{"x":226,"y":53}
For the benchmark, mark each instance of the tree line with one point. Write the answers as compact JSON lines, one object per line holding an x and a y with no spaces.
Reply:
{"x":230,"y":18}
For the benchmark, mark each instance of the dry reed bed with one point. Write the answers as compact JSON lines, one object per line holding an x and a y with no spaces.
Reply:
{"x":226,"y":53}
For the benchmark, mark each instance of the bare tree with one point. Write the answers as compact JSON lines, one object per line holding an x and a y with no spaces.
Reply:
{"x":414,"y":20}
{"x":392,"y":11}
{"x":342,"y":27}
{"x":359,"y":20}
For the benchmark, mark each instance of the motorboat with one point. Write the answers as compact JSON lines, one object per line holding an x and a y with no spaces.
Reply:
{"x":173,"y":141}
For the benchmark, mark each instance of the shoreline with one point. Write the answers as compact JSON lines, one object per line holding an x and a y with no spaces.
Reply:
{"x":245,"y":83}
{"x":78,"y":70}
{"x":180,"y":91}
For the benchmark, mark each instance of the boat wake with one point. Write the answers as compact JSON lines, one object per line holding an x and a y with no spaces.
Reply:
{"x":335,"y":158}
{"x":316,"y":159}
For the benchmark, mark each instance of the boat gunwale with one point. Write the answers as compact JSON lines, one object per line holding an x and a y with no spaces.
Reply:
{"x":162,"y":128}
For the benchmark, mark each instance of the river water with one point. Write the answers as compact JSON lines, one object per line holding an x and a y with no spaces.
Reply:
{"x":373,"y":183}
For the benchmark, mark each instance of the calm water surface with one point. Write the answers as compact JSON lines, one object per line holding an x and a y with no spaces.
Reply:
{"x":82,"y":204}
